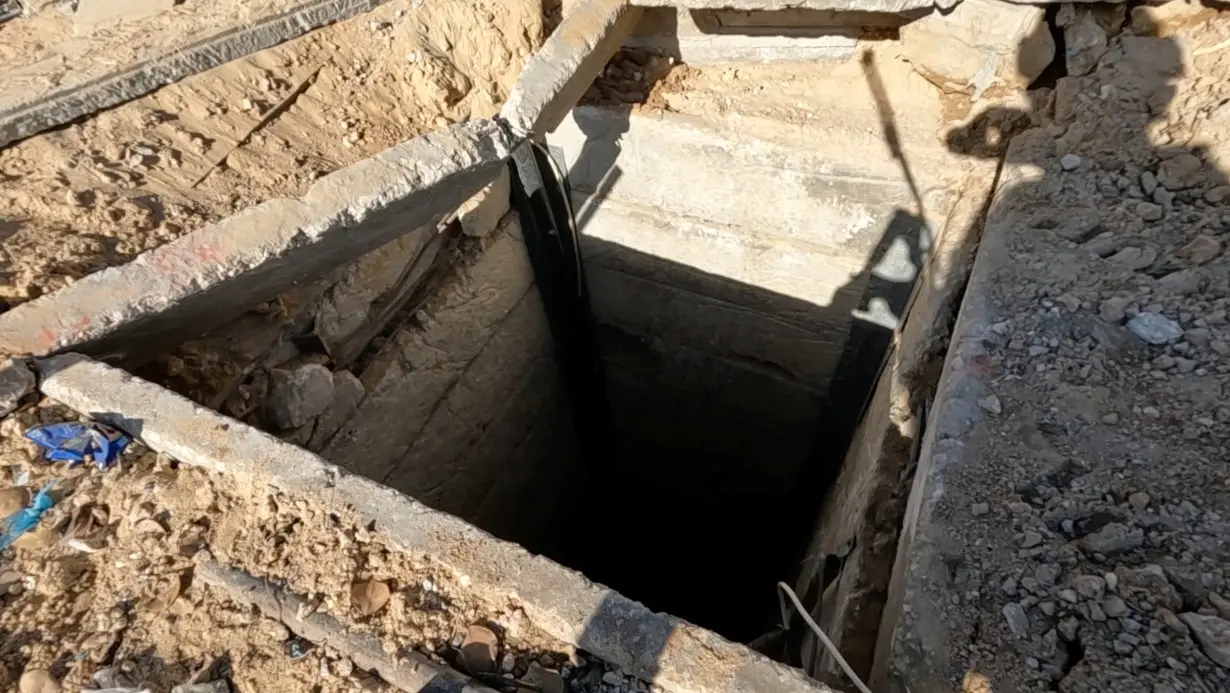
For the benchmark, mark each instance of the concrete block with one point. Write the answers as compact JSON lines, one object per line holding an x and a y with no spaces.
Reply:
{"x":805,"y":195}
{"x":554,"y":79}
{"x":33,"y":100}
{"x":424,"y":362}
{"x":202,"y":280}
{"x":677,"y":656}
{"x":980,"y":44}
{"x":767,"y":5}
{"x":703,"y":38}
{"x":16,"y":381}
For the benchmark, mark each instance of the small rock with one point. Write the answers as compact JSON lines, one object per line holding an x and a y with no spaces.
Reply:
{"x":1018,"y":622}
{"x":508,"y":663}
{"x":1070,"y":162}
{"x":1155,"y":328}
{"x":980,"y":509}
{"x":1139,"y":500}
{"x":299,"y":395}
{"x":1112,"y":581}
{"x":1180,"y":172}
{"x":1149,"y":211}
{"x":1198,"y":251}
{"x":544,"y":680}
{"x":612,"y":679}
{"x":16,"y":381}
{"x":1114,"y":309}
{"x":1008,"y":587}
{"x":1030,"y":539}
{"x":1068,"y":628}
{"x":219,"y":686}
{"x":478,"y":650}
{"x":1068,"y":596}
{"x":1114,"y":538}
{"x":343,"y":667}
{"x":1213,"y":634}
{"x":991,"y":404}
{"x":348,"y":393}
{"x":1148,"y":182}
{"x":1089,"y":586}
{"x":1217,"y":195}
{"x":1114,"y":606}
{"x":1096,"y":614}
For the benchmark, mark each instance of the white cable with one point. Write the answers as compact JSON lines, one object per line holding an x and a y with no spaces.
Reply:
{"x":828,"y":644}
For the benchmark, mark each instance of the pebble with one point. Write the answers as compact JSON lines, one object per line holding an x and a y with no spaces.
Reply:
{"x":991,"y":404}
{"x":1155,"y":328}
{"x":1068,"y":628}
{"x":1069,"y":596}
{"x":1096,"y":614}
{"x":612,"y":678}
{"x":980,"y":509}
{"x":1018,"y":621}
{"x":1112,"y":581}
{"x":1149,"y":211}
{"x":1009,"y":586}
{"x":1114,"y":538}
{"x":1217,"y":195}
{"x":1213,"y":634}
{"x":1070,"y":162}
{"x":1139,"y":500}
{"x":1114,"y":606}
{"x":1089,"y":586}
{"x":1030,"y":539}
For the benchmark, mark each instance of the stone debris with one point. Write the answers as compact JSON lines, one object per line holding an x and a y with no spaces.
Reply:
{"x":299,"y":395}
{"x":1155,"y":329}
{"x":1213,"y":634}
{"x":16,"y":382}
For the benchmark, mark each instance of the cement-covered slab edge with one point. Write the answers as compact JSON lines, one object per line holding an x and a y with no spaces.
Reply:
{"x":37,"y":112}
{"x":556,"y":77}
{"x":917,"y":653}
{"x":203,"y":279}
{"x":679,"y":657}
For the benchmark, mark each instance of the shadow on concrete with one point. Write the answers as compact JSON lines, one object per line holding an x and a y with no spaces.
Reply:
{"x":726,"y":450}
{"x":1128,"y":95}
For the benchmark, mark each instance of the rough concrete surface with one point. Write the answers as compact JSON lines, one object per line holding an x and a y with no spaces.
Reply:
{"x":673,"y":654}
{"x":176,"y":291}
{"x":54,"y":90}
{"x":464,"y":404}
{"x":559,"y":73}
{"x":856,"y":5}
{"x":980,"y":44}
{"x":706,"y":37}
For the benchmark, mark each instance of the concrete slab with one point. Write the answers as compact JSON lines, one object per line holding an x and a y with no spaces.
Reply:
{"x":700,"y":37}
{"x":677,"y":656}
{"x":202,"y":280}
{"x":856,"y":5}
{"x":52,"y":77}
{"x":836,"y":198}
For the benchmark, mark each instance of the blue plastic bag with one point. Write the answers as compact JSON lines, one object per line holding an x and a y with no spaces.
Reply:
{"x":77,"y":443}
{"x":25,"y":520}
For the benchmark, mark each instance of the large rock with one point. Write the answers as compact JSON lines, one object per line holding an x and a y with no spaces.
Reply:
{"x":16,"y":381}
{"x":980,"y":44}
{"x":1213,"y":634}
{"x":299,"y":395}
{"x":1087,"y":30}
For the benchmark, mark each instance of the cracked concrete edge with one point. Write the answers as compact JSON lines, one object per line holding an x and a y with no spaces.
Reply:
{"x":762,"y":5}
{"x":409,"y":671}
{"x":917,"y":651}
{"x":202,"y":280}
{"x":678,"y":656}
{"x":556,"y":77}
{"x":36,"y":112}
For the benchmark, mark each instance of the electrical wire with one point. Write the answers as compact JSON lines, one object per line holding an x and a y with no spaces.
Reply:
{"x":572,"y":219}
{"x":828,"y":644}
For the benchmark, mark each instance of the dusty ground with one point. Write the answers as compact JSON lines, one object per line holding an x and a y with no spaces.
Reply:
{"x":1090,"y":539}
{"x":135,"y":599}
{"x":100,"y":192}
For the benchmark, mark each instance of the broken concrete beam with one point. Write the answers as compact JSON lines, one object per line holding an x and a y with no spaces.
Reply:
{"x":55,"y":89}
{"x":556,"y":77}
{"x":208,"y":277}
{"x":676,"y":655}
{"x":707,"y":38}
{"x":409,"y":670}
{"x":858,"y":5}
{"x":980,"y":44}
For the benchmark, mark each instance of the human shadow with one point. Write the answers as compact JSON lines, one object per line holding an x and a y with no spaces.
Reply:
{"x":1106,"y":201}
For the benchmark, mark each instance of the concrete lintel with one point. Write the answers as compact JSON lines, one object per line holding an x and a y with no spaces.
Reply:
{"x":678,"y":656}
{"x":184,"y":288}
{"x":854,"y":5}
{"x":25,"y":111}
{"x":556,"y":77}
